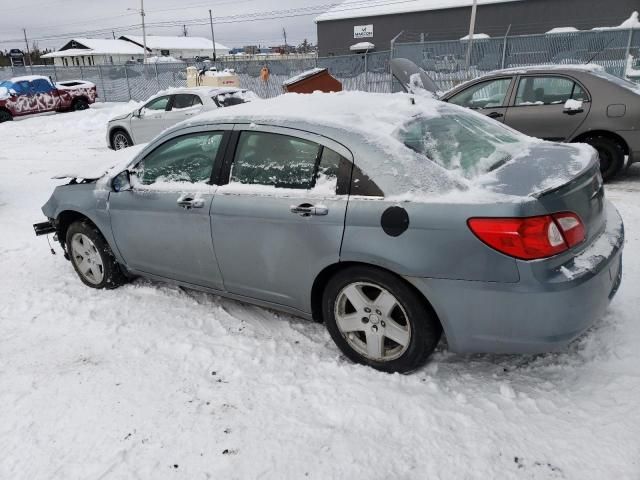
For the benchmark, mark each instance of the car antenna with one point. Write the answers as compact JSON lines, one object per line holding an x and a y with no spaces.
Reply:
{"x":600,"y":51}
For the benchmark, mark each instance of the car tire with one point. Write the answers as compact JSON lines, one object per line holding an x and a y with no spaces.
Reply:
{"x":120,"y":139}
{"x":5,"y":116}
{"x":80,"y":104}
{"x":611,"y":155}
{"x":92,"y":258}
{"x":377,"y":319}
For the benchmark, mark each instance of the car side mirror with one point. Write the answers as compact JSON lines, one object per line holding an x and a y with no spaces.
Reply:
{"x":571,"y":107}
{"x":138,"y":113}
{"x":121,"y":182}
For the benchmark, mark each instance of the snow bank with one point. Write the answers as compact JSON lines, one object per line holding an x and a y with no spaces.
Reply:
{"x":163,"y":59}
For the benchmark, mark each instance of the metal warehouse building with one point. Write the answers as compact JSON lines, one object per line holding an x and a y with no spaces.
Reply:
{"x":379,"y":21}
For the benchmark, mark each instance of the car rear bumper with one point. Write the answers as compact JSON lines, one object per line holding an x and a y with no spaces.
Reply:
{"x":540,"y":313}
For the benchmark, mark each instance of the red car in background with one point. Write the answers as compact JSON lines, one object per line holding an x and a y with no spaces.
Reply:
{"x":28,"y":95}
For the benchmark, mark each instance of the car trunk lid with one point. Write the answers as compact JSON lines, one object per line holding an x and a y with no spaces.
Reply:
{"x":561,"y":177}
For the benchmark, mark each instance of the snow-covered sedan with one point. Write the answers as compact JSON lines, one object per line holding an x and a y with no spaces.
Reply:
{"x":28,"y":95}
{"x":167,"y":108}
{"x":391,"y":218}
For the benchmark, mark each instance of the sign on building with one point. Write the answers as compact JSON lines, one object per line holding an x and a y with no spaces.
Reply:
{"x":363,"y":31}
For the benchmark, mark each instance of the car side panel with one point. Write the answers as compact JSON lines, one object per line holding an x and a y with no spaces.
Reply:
{"x":436,"y":244}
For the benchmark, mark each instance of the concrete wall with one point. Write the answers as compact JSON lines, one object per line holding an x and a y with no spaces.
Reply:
{"x":525,"y":17}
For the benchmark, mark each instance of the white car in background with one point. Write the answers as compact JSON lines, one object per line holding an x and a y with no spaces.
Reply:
{"x":167,"y":108}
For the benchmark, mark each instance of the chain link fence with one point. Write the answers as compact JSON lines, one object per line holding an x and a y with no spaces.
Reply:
{"x":444,"y":61}
{"x":117,"y":83}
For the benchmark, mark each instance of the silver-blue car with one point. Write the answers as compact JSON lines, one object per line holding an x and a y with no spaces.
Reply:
{"x":390,"y":218}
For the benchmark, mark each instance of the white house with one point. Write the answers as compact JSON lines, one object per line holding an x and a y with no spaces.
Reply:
{"x":93,"y":51}
{"x":128,"y":48}
{"x":178,"y":47}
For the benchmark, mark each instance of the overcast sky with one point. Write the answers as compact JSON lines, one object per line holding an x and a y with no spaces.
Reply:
{"x":43,"y":18}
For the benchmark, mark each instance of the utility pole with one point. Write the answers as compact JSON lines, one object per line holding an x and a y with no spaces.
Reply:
{"x":113,"y":33}
{"x":284,"y":34}
{"x":144,"y":33}
{"x":184,"y":31}
{"x":213,"y":38}
{"x":472,"y":27}
{"x":26,"y":42}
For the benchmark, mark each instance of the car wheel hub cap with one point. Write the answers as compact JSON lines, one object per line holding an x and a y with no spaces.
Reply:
{"x":382,"y":336}
{"x":87,"y":259}
{"x":120,"y":142}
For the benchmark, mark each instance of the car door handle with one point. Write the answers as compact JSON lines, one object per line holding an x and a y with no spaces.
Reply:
{"x":495,"y":115}
{"x":306,"y":209}
{"x":188,"y":202}
{"x":573,"y":112}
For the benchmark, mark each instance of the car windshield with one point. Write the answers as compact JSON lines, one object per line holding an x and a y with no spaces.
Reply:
{"x":462,"y":142}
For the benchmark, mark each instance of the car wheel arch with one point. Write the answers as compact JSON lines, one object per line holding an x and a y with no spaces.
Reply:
{"x":329,"y":271}
{"x":7,"y":111}
{"x":116,"y":129}
{"x":67,"y":217}
{"x":603,"y":133}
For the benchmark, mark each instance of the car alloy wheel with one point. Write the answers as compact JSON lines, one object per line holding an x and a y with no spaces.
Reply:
{"x":372,"y":321}
{"x":87,"y":259}
{"x":120,"y":141}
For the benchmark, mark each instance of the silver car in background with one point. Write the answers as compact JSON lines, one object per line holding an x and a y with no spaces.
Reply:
{"x":168,"y":108}
{"x":390,"y":218}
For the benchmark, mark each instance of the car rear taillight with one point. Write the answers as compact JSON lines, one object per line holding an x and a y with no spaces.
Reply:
{"x":530,"y":238}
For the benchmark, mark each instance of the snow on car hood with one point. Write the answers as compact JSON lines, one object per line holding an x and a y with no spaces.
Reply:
{"x":4,"y":93}
{"x":110,"y":162}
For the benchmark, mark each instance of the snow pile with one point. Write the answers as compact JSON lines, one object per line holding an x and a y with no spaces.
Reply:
{"x":572,"y":105}
{"x":4,"y":93}
{"x":562,"y":30}
{"x":476,"y":36}
{"x":163,"y":59}
{"x":303,"y":75}
{"x":632,"y":22}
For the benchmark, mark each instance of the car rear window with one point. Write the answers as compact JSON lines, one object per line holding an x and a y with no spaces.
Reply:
{"x":461,"y":141}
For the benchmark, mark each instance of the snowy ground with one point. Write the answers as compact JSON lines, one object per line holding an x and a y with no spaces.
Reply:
{"x":152,"y":382}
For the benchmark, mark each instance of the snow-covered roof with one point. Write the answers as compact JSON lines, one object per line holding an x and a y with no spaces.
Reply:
{"x":357,"y":8}
{"x":476,"y":36}
{"x":563,"y":30}
{"x":632,"y":22}
{"x":586,"y":67}
{"x":358,"y":47}
{"x":303,"y":75}
{"x":156,"y":42}
{"x":97,"y":46}
{"x":29,"y":78}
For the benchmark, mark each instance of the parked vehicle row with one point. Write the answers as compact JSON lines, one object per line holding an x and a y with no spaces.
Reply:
{"x":391,"y":218}
{"x":33,"y":94}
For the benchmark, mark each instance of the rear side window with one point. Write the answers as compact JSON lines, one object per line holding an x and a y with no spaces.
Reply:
{"x":489,"y":94}
{"x":188,"y":158}
{"x":182,"y":101}
{"x":284,"y":161}
{"x":548,"y":90}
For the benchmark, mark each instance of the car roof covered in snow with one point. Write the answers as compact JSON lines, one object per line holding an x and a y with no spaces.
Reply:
{"x":29,"y":78}
{"x":587,"y":68}
{"x":366,"y":124}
